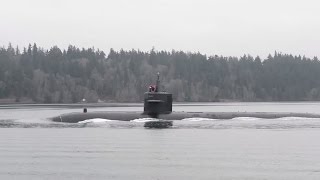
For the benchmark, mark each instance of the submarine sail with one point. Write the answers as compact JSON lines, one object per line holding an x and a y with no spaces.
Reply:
{"x":156,"y":102}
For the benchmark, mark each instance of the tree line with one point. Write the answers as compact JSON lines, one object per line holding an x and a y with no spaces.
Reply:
{"x":56,"y":75}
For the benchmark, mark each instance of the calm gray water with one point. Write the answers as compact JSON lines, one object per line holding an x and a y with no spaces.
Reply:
{"x":33,"y":147}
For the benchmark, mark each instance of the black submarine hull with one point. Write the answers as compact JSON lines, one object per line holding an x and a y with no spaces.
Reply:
{"x":127,"y":116}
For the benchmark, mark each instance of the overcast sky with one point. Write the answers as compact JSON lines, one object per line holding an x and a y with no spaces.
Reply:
{"x":223,"y":27}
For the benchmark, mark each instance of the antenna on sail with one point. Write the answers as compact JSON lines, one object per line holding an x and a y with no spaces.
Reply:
{"x":158,"y":83}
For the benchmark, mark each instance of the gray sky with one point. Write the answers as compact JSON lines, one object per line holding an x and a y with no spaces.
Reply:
{"x":224,"y":27}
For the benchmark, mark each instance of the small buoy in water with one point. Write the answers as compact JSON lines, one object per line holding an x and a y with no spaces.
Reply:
{"x":158,"y":124}
{"x":85,"y":110}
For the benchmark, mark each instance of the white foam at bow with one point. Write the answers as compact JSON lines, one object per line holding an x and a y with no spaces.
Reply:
{"x":95,"y":120}
{"x":246,"y":118}
{"x":144,"y":120}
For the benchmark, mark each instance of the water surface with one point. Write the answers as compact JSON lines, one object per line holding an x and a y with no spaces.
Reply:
{"x":33,"y":147}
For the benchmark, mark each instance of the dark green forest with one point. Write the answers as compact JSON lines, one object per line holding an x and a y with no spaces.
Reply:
{"x":37,"y":75}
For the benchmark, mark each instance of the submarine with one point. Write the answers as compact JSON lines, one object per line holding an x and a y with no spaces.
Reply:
{"x":158,"y":105}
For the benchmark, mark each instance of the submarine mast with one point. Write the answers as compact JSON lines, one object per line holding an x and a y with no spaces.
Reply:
{"x":158,"y":83}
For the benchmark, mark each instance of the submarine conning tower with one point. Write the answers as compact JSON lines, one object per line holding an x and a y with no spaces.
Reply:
{"x":157,"y":102}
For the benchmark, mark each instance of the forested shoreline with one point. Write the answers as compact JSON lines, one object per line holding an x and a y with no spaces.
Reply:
{"x":37,"y":75}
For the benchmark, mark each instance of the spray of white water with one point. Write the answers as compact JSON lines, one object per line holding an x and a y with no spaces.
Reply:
{"x":199,"y":119}
{"x":96,"y":120}
{"x":142,"y":120}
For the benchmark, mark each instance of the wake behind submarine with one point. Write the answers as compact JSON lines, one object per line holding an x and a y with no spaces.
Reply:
{"x":158,"y":105}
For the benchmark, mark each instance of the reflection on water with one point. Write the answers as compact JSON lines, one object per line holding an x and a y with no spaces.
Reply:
{"x":167,"y":154}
